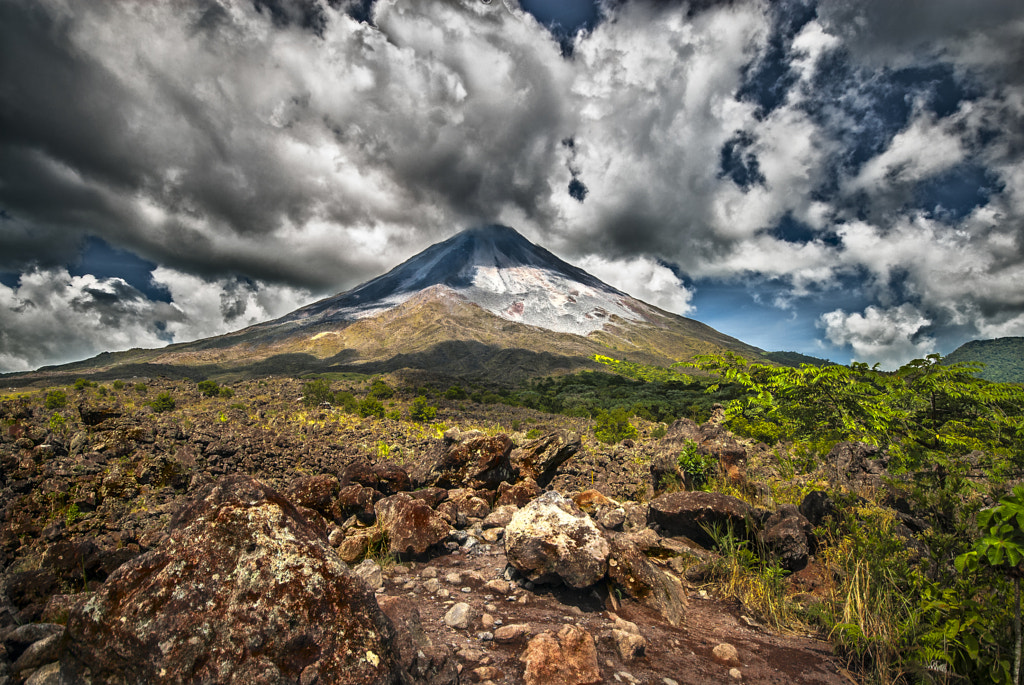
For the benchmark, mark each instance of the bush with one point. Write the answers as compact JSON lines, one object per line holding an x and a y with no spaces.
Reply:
{"x":346,"y":402}
{"x":208,"y":388}
{"x":371,"y":407}
{"x":226,"y":392}
{"x":316,"y":392}
{"x":380,"y":390}
{"x":697,"y":465}
{"x":56,"y":399}
{"x":163,"y":402}
{"x":614,"y":426}
{"x":141,"y":388}
{"x":118,"y":385}
{"x":82,"y":383}
{"x":455,"y":392}
{"x":421,"y":410}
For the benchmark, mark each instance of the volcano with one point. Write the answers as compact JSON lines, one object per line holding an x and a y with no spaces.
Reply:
{"x":486,"y":302}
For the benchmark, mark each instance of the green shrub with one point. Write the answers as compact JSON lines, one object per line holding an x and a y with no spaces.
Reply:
{"x":226,"y":392}
{"x":658,"y":433}
{"x":698,"y":466}
{"x":380,"y":390}
{"x":118,"y":385}
{"x":141,"y":388}
{"x":316,"y":392}
{"x":163,"y":402}
{"x":56,"y":399}
{"x":208,"y":388}
{"x":455,"y":392}
{"x":614,"y":426}
{"x":345,"y":401}
{"x":371,"y":407}
{"x":82,"y":383}
{"x":421,"y":411}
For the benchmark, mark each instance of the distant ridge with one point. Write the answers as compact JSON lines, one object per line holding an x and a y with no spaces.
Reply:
{"x":485,"y":302}
{"x":1003,"y":358}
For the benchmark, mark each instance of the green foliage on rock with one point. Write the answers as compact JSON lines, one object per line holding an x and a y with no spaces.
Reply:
{"x":698,"y":466}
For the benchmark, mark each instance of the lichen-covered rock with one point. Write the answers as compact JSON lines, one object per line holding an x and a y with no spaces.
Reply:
{"x":630,"y":570}
{"x":243,"y":590}
{"x":319,"y":493}
{"x":540,"y":458}
{"x":569,"y":658}
{"x":411,"y":526}
{"x":552,"y":538}
{"x":689,"y":513}
{"x":519,"y":494}
{"x":386,"y":478}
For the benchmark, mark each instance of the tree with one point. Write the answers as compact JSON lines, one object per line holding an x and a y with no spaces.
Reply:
{"x":1001,"y":548}
{"x":316,"y":392}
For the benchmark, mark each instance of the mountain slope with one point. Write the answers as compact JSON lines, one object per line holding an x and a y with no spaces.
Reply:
{"x":484,"y":302}
{"x":1003,"y":358}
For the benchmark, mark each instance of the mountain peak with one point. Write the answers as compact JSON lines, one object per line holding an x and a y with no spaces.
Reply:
{"x":500,"y":270}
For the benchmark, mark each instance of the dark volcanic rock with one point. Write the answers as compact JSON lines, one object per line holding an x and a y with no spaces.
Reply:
{"x":387,"y":479}
{"x":789,"y":536}
{"x":643,"y":581}
{"x":855,"y":464}
{"x":242,"y":591}
{"x":412,"y":526}
{"x":688,"y":513}
{"x":816,"y":505}
{"x":479,"y":462}
{"x":541,"y":458}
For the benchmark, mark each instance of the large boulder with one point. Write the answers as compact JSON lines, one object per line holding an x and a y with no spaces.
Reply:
{"x":540,"y":458}
{"x":242,"y":590}
{"x":692,"y":514}
{"x":551,"y":538}
{"x":478,"y":462}
{"x":411,"y":526}
{"x":631,"y":570}
{"x":855,"y":464}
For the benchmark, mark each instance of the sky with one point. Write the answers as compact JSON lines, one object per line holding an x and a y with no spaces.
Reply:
{"x":842,"y":179}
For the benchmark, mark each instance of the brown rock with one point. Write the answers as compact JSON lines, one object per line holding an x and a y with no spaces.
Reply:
{"x":688,"y":513}
{"x":519,"y":494}
{"x":629,"y":569}
{"x":629,"y":645}
{"x":478,"y":463}
{"x":726,"y":654}
{"x":315,"y":492}
{"x":242,"y":591}
{"x":514,"y":632}
{"x":788,"y":534}
{"x":540,"y":458}
{"x":570,"y":658}
{"x":411,"y":526}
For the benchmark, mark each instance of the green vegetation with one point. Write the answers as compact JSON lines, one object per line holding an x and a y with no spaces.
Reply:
{"x":379,"y":390}
{"x":211,"y":389}
{"x":899,"y":609}
{"x":118,"y":385}
{"x":317,"y":392}
{"x":641,"y":372}
{"x":1003,"y":358}
{"x":56,"y":399}
{"x":614,"y":426}
{"x":83,"y":383}
{"x":795,"y":359}
{"x":698,"y":466}
{"x":163,"y":402}
{"x":421,"y":411}
{"x":588,"y":393}
{"x":456,"y":393}
{"x":371,"y":406}
{"x":141,"y":388}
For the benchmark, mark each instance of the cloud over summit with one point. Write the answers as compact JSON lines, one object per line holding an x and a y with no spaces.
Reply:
{"x":266,"y":153}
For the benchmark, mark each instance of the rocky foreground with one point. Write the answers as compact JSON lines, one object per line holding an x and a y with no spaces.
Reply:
{"x":246,"y":543}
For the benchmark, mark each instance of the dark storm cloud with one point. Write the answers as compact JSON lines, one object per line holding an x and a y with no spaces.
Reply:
{"x":262,"y":153}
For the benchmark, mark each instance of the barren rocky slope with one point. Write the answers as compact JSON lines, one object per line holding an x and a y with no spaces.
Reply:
{"x":250,"y":539}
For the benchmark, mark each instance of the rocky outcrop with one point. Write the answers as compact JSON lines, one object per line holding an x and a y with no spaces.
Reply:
{"x":692,"y":514}
{"x":540,"y":458}
{"x":551,"y":538}
{"x":243,"y":590}
{"x":426,"y":661}
{"x":855,"y":464}
{"x":410,"y":525}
